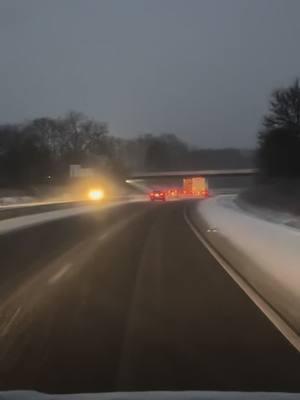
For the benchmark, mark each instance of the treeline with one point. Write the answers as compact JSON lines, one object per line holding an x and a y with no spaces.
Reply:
{"x":42,"y":149}
{"x":278,"y":152}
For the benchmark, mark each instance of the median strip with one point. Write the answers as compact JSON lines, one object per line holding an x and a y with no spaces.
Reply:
{"x":26,"y":221}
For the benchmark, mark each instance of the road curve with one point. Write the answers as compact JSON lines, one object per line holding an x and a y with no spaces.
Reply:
{"x":129,"y":299}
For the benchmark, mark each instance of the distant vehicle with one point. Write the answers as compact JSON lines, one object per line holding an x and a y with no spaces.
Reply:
{"x":157,"y":195}
{"x":195,"y":187}
{"x":172,"y":193}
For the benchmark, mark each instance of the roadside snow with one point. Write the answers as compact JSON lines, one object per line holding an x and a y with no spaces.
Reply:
{"x":27,"y":221}
{"x":276,"y":216}
{"x":266,"y":254}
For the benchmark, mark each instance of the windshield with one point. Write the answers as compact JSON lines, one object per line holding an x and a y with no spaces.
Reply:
{"x":149,"y":196}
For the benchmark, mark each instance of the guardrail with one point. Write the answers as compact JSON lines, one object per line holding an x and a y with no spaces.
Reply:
{"x":17,"y":210}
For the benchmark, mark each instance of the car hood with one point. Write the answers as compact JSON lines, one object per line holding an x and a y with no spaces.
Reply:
{"x":165,"y":395}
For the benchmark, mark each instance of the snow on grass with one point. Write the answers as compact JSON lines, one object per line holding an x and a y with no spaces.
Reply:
{"x":266,"y":254}
{"x":279,"y":217}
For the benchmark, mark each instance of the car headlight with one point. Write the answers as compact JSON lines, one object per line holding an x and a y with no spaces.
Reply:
{"x":96,"y":194}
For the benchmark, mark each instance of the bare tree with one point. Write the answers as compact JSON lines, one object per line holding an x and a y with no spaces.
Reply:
{"x":284,"y":109}
{"x":71,"y":137}
{"x":80,"y":135}
{"x":47,"y":129}
{"x":279,"y":142}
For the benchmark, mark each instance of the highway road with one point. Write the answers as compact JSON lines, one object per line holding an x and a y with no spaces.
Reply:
{"x":127,"y":298}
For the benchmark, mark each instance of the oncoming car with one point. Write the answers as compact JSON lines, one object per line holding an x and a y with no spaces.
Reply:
{"x":157,"y":195}
{"x":95,"y":194}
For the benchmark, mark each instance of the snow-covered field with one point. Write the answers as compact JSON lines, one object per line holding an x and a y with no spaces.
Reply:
{"x":266,"y":254}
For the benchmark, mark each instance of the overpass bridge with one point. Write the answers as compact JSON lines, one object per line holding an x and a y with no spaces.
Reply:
{"x":141,"y":176}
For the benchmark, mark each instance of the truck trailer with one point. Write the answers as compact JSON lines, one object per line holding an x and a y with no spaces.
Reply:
{"x":196,"y":186}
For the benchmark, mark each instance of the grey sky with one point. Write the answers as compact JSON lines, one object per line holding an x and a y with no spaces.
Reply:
{"x":200,"y":69}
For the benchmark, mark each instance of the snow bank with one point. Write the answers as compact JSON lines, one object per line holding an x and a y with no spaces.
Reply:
{"x":279,"y":217}
{"x":266,"y":254}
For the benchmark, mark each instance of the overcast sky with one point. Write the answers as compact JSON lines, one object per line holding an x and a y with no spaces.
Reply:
{"x":202,"y":69}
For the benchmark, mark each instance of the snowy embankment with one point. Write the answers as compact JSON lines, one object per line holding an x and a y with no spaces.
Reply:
{"x":279,"y":217}
{"x":266,"y":254}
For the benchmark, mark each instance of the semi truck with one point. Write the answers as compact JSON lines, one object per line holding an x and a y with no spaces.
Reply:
{"x":195,"y":186}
